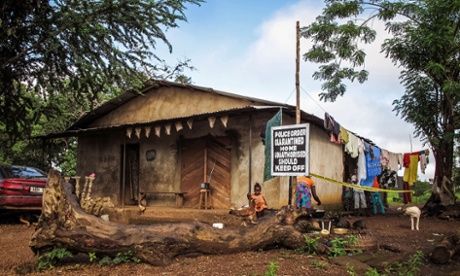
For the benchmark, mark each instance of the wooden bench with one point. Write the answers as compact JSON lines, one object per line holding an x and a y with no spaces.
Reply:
{"x":179,"y":196}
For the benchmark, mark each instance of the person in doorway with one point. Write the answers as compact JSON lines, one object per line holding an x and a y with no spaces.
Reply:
{"x":305,"y":189}
{"x":347,"y":197}
{"x":359,"y":196}
{"x":261,"y":202}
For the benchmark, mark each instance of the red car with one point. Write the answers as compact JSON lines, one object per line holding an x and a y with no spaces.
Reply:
{"x":21,"y":188}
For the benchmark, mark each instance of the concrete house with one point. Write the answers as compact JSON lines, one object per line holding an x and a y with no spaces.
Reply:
{"x":173,"y":137}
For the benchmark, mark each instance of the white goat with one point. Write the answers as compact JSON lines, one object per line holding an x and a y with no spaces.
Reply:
{"x":414,"y":213}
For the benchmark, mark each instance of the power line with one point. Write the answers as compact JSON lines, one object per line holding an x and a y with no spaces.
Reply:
{"x":313,"y":99}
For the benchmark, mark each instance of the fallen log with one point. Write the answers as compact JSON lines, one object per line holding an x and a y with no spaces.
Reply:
{"x":445,"y":249}
{"x":64,"y":224}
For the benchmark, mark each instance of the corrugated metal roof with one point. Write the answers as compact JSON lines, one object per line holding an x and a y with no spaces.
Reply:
{"x":80,"y":127}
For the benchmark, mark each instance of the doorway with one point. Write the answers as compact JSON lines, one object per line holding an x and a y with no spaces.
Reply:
{"x":207,"y":159}
{"x":129,"y":186}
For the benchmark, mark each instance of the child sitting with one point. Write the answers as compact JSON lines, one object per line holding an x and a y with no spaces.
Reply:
{"x":261,"y":202}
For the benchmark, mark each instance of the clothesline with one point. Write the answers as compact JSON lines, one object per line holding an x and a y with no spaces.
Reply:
{"x":371,"y":158}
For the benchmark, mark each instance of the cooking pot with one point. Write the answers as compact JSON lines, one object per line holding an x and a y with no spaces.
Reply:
{"x":318,"y":213}
{"x":205,"y":185}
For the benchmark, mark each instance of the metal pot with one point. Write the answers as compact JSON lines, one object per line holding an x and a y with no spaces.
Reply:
{"x":205,"y":185}
{"x":318,"y":213}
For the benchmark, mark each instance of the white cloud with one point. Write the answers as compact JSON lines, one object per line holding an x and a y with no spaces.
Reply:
{"x":261,"y":63}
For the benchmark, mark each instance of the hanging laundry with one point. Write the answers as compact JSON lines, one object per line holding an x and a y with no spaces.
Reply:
{"x":393,"y":161}
{"x":332,"y":127}
{"x":373,"y":166}
{"x":335,"y":139}
{"x":388,"y":178}
{"x":362,"y":172}
{"x":407,"y":197}
{"x":384,"y":157}
{"x":400,"y":161}
{"x":328,"y":122}
{"x":406,"y":160}
{"x":410,"y":173}
{"x":343,"y":135}
{"x":423,"y":160}
{"x":352,"y":146}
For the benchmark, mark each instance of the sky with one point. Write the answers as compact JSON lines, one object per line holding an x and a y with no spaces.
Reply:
{"x":248,"y":47}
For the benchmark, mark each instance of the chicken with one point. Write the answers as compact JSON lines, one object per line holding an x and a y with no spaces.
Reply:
{"x":142,"y":203}
{"x":248,"y":213}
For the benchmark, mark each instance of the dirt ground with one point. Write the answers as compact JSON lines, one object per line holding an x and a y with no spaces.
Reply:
{"x":390,"y":233}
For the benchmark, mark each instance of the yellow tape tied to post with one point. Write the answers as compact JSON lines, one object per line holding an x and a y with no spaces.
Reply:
{"x":364,"y":188}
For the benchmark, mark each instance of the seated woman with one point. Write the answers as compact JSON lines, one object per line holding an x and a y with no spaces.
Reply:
{"x":261,"y":202}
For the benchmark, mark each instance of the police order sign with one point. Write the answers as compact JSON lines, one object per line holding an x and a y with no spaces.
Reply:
{"x":290,"y":150}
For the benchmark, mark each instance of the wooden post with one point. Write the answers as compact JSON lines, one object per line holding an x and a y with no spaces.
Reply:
{"x":297,"y":69}
{"x":297,"y":88}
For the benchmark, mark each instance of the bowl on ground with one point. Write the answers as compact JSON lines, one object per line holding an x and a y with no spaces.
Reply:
{"x":340,"y":231}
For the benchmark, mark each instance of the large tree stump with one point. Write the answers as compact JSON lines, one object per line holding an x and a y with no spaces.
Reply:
{"x":64,"y":224}
{"x":445,"y":249}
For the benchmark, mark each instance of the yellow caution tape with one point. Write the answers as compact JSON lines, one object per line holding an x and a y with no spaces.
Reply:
{"x":364,"y":188}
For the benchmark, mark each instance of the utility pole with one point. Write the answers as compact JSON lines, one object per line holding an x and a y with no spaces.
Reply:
{"x":293,"y":179}
{"x":297,"y":69}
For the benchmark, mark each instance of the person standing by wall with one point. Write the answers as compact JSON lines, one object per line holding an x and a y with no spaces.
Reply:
{"x":305,"y":189}
{"x":359,"y":196}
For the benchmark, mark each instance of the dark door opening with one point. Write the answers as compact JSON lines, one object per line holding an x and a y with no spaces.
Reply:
{"x":129,"y":186}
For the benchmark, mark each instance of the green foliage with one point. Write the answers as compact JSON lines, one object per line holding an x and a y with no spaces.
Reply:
{"x":63,"y":58}
{"x":272,"y":269}
{"x":311,"y":245}
{"x":423,"y":41}
{"x":372,"y":272}
{"x":350,"y":270}
{"x":410,"y":268}
{"x":92,"y":256}
{"x":125,"y":257}
{"x":50,"y":259}
{"x":338,"y":247}
{"x":341,"y":245}
{"x":420,"y":188}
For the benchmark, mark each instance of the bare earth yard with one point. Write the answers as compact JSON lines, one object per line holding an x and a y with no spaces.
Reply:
{"x":391,"y":234}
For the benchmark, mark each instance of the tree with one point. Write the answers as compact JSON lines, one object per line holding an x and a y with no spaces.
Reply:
{"x":79,"y":50}
{"x":425,"y":42}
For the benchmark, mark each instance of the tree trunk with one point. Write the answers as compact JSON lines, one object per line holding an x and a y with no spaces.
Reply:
{"x":64,"y":224}
{"x":443,"y":155}
{"x":445,"y":249}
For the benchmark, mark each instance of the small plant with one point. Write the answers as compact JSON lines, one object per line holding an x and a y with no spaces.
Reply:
{"x":272,"y":269}
{"x":338,"y":247}
{"x":414,"y":263}
{"x":409,"y":268}
{"x":106,"y":260}
{"x":372,"y":272}
{"x":311,"y":245}
{"x":92,"y":256}
{"x":126,"y":257}
{"x":353,"y":241}
{"x":49,"y":259}
{"x":350,"y":270}
{"x":319,"y":264}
